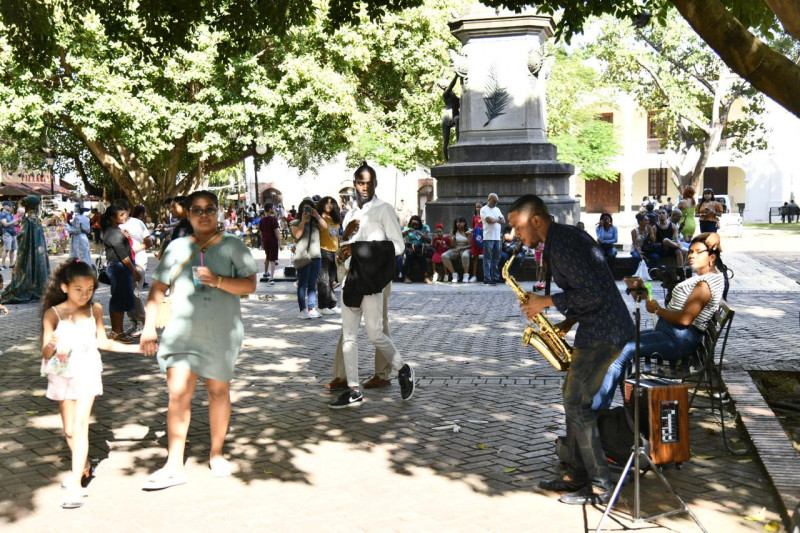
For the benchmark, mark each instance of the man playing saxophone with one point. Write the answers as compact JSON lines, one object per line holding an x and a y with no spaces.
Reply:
{"x":590,"y":299}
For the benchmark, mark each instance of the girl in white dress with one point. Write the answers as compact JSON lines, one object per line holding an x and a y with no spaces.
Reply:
{"x":72,"y":334}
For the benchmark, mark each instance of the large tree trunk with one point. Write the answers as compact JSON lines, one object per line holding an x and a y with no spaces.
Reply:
{"x":768,"y":71}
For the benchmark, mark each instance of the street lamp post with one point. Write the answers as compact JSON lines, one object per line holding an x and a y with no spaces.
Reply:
{"x":51,"y":160}
{"x":261,"y":149}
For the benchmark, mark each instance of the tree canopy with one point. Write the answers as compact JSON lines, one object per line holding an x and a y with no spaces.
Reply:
{"x":156,"y":123}
{"x":669,"y":71}
{"x":574,"y":125}
{"x":744,"y":33}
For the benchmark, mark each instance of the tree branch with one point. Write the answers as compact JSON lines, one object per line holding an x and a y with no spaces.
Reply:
{"x":788,"y":13}
{"x":677,"y":63}
{"x":656,"y":79}
{"x":767,"y":70}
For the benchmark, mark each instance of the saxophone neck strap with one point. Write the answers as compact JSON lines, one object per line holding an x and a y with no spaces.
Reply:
{"x":548,"y":275}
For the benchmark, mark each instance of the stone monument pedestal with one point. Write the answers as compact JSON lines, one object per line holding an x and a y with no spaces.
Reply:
{"x":502,"y":145}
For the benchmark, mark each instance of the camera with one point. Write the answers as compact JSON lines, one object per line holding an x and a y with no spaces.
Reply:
{"x":307,"y":210}
{"x":669,"y":278}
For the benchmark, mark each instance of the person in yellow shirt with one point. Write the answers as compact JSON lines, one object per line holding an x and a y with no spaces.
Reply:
{"x":329,"y":243}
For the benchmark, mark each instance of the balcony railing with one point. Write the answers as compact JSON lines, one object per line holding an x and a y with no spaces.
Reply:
{"x":654,"y":146}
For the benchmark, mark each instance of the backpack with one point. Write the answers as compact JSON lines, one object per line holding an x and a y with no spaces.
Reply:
{"x":477,"y":235}
{"x":616,"y":436}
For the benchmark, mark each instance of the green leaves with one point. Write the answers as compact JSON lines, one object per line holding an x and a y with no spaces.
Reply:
{"x":575,"y":93}
{"x":142,"y":106}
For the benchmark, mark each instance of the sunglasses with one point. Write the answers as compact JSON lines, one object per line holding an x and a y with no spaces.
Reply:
{"x":199,"y":211}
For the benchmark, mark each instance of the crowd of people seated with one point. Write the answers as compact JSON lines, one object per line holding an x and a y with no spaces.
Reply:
{"x":663,"y":231}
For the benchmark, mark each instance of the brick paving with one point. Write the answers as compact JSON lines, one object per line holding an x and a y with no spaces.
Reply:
{"x":389,"y":464}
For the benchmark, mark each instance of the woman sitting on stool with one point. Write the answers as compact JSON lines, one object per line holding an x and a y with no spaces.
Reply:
{"x":679,"y":330}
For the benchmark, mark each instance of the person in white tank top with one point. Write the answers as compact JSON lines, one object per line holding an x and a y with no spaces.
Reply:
{"x":72,"y":335}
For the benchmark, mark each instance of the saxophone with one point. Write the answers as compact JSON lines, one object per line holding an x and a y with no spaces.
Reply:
{"x":545,"y":338}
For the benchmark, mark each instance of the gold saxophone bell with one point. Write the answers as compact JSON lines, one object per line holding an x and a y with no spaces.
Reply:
{"x":545,"y":338}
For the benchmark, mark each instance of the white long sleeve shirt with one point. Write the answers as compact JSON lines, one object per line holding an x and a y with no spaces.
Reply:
{"x":378,"y":223}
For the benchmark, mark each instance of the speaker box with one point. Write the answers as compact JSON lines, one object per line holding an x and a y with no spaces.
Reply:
{"x":664,"y":417}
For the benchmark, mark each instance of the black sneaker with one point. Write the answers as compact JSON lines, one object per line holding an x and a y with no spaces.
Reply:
{"x":406,"y":379}
{"x":350,"y":398}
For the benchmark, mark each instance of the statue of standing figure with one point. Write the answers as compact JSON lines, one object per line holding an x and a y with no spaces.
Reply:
{"x":450,"y":113}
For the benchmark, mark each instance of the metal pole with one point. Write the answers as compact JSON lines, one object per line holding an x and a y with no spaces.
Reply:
{"x":258,"y":196}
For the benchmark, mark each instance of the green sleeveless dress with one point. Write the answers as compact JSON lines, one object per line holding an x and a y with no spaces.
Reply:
{"x":689,"y":222}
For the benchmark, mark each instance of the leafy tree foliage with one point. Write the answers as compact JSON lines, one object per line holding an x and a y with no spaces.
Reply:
{"x":741,"y":32}
{"x":574,"y":126}
{"x":669,"y":69}
{"x":155,"y":122}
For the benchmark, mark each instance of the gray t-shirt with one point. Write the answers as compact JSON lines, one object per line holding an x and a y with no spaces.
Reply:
{"x":303,"y":243}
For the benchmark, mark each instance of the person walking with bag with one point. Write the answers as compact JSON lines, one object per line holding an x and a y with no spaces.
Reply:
{"x":307,"y":256}
{"x":206,"y":274}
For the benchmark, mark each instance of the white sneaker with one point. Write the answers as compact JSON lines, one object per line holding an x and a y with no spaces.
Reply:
{"x":327,"y":311}
{"x":435,"y":277}
{"x":455,"y":279}
{"x":473,"y":279}
{"x":303,"y":315}
{"x":445,"y":279}
{"x":313,"y":313}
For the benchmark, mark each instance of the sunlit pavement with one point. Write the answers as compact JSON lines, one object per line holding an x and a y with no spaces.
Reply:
{"x":389,"y":464}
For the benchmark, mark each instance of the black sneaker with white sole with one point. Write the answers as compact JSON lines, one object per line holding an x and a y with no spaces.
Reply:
{"x":350,"y":398}
{"x":406,"y":379}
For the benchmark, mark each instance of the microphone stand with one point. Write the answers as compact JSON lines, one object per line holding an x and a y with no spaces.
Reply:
{"x":638,"y":451}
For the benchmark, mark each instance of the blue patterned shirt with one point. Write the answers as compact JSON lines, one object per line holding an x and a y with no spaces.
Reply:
{"x":590,"y":294}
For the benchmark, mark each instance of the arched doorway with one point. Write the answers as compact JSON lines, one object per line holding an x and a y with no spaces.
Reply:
{"x":424,"y":195}
{"x":270,"y":195}
{"x":346,"y":195}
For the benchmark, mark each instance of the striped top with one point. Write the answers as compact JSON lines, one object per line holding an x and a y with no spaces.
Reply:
{"x":681,"y":292}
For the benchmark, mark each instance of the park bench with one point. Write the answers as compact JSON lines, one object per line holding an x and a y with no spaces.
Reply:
{"x":774,"y":212}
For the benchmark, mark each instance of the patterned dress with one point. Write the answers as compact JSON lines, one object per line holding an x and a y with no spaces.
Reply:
{"x":29,"y":279}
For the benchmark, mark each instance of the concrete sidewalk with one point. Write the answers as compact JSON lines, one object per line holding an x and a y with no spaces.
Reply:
{"x":389,"y":464}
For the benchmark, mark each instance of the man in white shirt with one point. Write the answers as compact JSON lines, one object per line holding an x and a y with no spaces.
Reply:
{"x":493,"y":222}
{"x":371,"y":223}
{"x":136,"y":229}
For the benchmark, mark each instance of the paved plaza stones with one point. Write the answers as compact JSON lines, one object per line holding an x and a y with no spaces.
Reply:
{"x":386,"y":465}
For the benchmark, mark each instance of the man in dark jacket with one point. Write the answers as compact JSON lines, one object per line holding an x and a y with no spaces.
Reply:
{"x":591,"y":299}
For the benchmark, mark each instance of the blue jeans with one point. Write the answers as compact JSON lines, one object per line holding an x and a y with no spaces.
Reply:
{"x":587,"y":460}
{"x":505,"y":256}
{"x":707,"y":226}
{"x":668,"y":340}
{"x":307,"y":283}
{"x":121,"y":288}
{"x":650,"y":259}
{"x":491,"y":258}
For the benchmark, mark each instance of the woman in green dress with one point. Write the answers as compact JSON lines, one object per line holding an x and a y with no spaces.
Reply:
{"x":29,"y":279}
{"x":210,"y":270}
{"x":687,"y":206}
